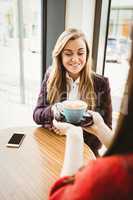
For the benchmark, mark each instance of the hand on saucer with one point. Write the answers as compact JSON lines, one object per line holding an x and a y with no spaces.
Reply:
{"x":97,"y":120}
{"x":62,"y":128}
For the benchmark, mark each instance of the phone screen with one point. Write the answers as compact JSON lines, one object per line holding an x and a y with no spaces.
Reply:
{"x":16,"y":139}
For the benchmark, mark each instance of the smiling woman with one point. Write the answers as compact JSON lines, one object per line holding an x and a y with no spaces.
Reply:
{"x":71,"y":77}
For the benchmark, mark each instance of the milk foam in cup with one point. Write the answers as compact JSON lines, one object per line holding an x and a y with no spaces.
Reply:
{"x":74,"y":110}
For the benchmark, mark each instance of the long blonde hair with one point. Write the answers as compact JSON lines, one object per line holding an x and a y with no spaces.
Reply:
{"x":57,"y":79}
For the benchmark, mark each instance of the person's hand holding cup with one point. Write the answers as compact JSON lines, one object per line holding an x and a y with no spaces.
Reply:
{"x":73,"y":112}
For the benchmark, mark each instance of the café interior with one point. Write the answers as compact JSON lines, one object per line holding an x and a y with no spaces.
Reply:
{"x":28,"y":32}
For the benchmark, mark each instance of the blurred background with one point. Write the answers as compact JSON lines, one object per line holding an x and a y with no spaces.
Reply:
{"x":28,"y":31}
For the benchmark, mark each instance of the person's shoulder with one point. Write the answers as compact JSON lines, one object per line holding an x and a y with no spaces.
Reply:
{"x":106,"y":166}
{"x":100,"y":81}
{"x":107,"y":162}
{"x":111,"y":168}
{"x":47,"y":73}
{"x":99,"y":78}
{"x":111,"y":160}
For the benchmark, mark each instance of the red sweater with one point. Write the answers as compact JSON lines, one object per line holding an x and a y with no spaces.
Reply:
{"x":109,"y":178}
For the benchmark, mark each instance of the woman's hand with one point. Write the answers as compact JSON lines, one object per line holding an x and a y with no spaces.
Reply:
{"x":57,"y":109}
{"x":64,"y":128}
{"x":61,"y":128}
{"x":97,"y":119}
{"x":100,"y":129}
{"x":58,"y":131}
{"x":61,"y":131}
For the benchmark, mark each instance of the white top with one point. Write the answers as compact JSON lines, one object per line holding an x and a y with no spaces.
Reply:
{"x":73,"y":94}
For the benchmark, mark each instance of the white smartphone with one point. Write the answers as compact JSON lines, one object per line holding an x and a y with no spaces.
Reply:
{"x":15,"y":140}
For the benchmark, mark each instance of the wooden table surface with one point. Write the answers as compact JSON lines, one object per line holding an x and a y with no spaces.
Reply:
{"x":27,"y":172}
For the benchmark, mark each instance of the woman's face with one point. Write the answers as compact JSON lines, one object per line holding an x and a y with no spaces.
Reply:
{"x":74,"y":57}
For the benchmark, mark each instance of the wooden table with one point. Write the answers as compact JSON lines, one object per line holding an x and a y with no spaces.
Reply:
{"x":26,"y":173}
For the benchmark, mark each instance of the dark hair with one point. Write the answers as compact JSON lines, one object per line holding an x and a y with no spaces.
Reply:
{"x":123,"y":140}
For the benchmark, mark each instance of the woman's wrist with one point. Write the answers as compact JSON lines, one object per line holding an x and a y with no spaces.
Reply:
{"x":73,"y":151}
{"x":104,"y":133}
{"x":75,"y":133}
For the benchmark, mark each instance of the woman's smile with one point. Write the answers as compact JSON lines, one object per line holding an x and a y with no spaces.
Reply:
{"x":74,"y":57}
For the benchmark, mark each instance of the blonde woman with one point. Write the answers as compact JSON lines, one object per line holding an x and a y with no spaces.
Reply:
{"x":71,"y":77}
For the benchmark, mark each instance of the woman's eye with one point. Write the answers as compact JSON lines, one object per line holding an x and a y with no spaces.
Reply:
{"x":81,"y":53}
{"x":71,"y":54}
{"x":68,"y":54}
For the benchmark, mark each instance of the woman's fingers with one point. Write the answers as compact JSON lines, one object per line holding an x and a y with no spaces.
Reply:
{"x":97,"y":118}
{"x":61,"y":125}
{"x":59,"y":131}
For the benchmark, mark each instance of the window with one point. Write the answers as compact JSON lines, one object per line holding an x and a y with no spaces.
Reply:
{"x":118,"y":49}
{"x":20,"y":50}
